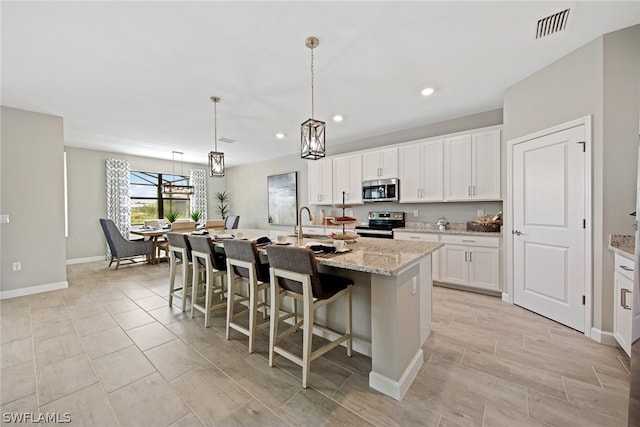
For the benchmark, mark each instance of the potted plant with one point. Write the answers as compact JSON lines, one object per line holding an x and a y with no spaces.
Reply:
{"x":223,"y":203}
{"x":196,"y":216}
{"x":171,"y":216}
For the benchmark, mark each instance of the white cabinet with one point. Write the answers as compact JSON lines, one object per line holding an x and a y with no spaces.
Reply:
{"x":423,"y":237}
{"x":347,"y":177}
{"x":320,"y":182}
{"x":623,"y":308}
{"x":472,"y":166}
{"x":421,"y":172}
{"x":470,"y":260}
{"x":380,"y":164}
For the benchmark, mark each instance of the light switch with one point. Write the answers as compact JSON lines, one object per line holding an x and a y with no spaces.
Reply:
{"x":4,"y":218}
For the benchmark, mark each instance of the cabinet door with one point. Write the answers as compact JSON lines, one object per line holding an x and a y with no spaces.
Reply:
{"x":371,"y":165}
{"x":485,"y":165}
{"x":411,"y":173}
{"x":457,"y":168}
{"x":484,"y":268}
{"x":423,"y":237}
{"x":320,"y":182}
{"x":432,"y":159}
{"x":347,"y":177}
{"x":389,"y":163}
{"x":453,"y":264}
{"x":622,"y":320}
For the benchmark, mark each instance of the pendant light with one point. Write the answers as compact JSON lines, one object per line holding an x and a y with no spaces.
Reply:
{"x":216,"y":158}
{"x":171,"y":187}
{"x":312,"y":131}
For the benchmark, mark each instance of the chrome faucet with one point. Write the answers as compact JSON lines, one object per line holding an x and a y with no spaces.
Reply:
{"x":300,"y":234}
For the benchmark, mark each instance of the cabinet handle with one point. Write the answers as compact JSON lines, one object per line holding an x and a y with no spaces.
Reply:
{"x":465,"y":256}
{"x":625,"y":268}
{"x":418,"y":193}
{"x":422,"y":193}
{"x":469,"y":241}
{"x":414,"y":237}
{"x":623,"y":298}
{"x":470,"y":254}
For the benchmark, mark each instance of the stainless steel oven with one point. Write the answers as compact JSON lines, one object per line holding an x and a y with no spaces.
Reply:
{"x":381,"y":224}
{"x":381,"y":190}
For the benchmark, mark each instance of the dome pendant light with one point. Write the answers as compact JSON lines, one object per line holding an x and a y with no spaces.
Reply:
{"x":216,"y":159}
{"x":312,"y":131}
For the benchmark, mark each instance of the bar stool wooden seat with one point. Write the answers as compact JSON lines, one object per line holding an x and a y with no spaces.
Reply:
{"x":243,"y":262}
{"x":294,"y":273}
{"x":209,"y":257}
{"x":179,"y":253}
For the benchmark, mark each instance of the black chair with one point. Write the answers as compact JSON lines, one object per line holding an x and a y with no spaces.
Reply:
{"x":243,"y":261}
{"x":294,"y":273}
{"x":179,"y":253}
{"x":209,"y":257}
{"x":231,"y":222}
{"x":121,"y":248}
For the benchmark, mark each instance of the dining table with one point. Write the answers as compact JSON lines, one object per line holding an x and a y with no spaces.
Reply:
{"x":155,"y":235}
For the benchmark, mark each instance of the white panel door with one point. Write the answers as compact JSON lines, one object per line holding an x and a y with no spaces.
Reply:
{"x":548,"y":226}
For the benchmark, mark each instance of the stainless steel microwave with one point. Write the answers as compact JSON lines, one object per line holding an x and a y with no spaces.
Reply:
{"x":382,"y":190}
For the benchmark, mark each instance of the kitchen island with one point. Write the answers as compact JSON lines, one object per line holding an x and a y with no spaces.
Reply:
{"x":391,"y":304}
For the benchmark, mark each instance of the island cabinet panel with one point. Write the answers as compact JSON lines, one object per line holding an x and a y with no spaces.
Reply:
{"x":471,"y":261}
{"x":423,"y":237}
{"x":347,"y":178}
{"x":421,"y":172}
{"x":472,"y":166}
{"x":320,"y":180}
{"x":380,"y":164}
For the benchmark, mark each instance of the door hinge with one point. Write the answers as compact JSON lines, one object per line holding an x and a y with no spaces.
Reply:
{"x":584,"y":146}
{"x":583,"y":300}
{"x":584,"y":223}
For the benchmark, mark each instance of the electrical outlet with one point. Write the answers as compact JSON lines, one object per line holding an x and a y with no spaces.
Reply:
{"x":4,"y":219}
{"x":17,"y":266}
{"x":414,"y":286}
{"x":416,"y":213}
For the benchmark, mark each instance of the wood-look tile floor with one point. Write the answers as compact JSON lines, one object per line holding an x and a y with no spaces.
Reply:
{"x":109,"y":351}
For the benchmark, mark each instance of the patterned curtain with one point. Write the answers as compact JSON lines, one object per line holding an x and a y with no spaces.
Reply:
{"x":118,"y":201}
{"x":199,"y":197}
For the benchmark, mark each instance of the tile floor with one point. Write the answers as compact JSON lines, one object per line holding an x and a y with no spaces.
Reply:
{"x":109,"y":351}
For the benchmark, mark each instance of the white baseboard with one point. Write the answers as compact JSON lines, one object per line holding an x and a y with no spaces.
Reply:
{"x":13,"y":293}
{"x":397,"y":389}
{"x":505,"y":298}
{"x":603,"y":337}
{"x":88,"y":259}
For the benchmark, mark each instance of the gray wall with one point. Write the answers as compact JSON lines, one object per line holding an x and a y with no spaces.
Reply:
{"x":248,"y":184}
{"x":33,"y":195}
{"x":599,"y":79}
{"x":86,"y":195}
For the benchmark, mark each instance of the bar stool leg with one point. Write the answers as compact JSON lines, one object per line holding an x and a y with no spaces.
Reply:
{"x":194,"y":285}
{"x":231,"y":291}
{"x":307,"y":323}
{"x":347,"y":305}
{"x":207,"y":298}
{"x":275,"y":318}
{"x":253,"y":307}
{"x":172,"y":277}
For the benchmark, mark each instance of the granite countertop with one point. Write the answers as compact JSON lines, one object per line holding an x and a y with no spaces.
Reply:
{"x":454,"y":228}
{"x":622,"y":244}
{"x":387,"y":257}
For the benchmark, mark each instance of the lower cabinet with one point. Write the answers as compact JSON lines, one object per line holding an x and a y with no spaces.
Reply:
{"x":623,"y":308}
{"x":423,"y":237}
{"x":470,"y":260}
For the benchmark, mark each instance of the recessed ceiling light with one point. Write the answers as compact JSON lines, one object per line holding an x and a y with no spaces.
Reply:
{"x":337,"y":118}
{"x":280,"y":135}
{"x":427,"y":91}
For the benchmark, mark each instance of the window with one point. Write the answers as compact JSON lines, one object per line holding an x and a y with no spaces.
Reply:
{"x":148,"y":201}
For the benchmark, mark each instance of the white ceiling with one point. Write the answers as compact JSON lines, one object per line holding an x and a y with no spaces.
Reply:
{"x":136,"y":77}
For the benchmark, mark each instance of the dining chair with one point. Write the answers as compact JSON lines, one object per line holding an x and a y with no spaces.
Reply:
{"x":179,"y":253}
{"x":123,"y":249}
{"x":294,"y":273}
{"x":231,"y":222}
{"x":243,"y":264}
{"x":211,"y":259}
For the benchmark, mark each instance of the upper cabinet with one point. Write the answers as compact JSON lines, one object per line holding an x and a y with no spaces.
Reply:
{"x":320,"y":182}
{"x":472,"y":166}
{"x":347,"y":177}
{"x":380,"y":164}
{"x":421,"y":172}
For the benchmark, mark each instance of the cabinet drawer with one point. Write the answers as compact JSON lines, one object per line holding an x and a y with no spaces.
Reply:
{"x":470,"y":240}
{"x":419,"y":237}
{"x":624,"y":266}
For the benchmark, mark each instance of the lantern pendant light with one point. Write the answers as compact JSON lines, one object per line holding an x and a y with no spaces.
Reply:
{"x":216,"y":158}
{"x":312,"y":131}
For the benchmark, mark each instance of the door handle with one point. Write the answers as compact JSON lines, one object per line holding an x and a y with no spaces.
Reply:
{"x":623,"y":298}
{"x":518,"y":233}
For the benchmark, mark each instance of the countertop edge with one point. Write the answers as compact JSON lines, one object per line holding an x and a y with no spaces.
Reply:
{"x":624,"y":251}
{"x":449,"y":231}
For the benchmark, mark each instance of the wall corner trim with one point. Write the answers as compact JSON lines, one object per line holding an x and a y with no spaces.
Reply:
{"x":603,"y":337}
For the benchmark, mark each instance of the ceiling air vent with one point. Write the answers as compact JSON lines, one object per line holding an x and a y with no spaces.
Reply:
{"x":552,"y":24}
{"x":227,"y":140}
